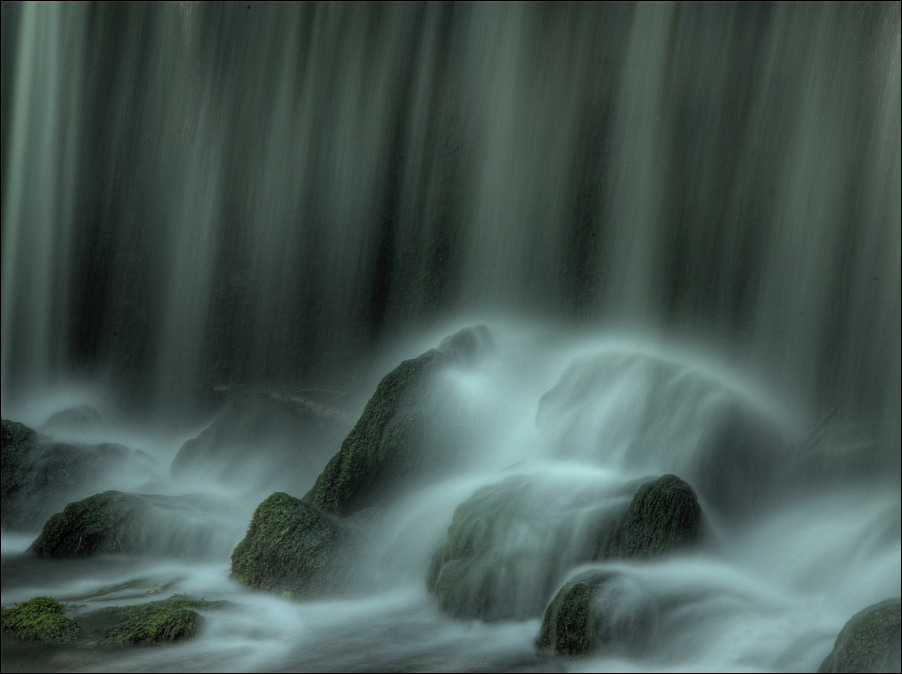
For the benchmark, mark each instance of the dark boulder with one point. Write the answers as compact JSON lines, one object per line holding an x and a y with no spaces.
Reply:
{"x":596,"y":609}
{"x":116,"y":522}
{"x":870,"y":641}
{"x":510,"y":544}
{"x":293,"y":548}
{"x":40,"y":477}
{"x":407,"y":429}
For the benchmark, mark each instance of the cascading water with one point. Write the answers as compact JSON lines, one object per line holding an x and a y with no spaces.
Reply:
{"x":680,"y":223}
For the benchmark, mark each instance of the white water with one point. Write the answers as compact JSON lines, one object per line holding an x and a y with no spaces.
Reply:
{"x":769,"y":587}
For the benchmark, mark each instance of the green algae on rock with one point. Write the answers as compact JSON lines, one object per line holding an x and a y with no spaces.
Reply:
{"x":40,"y":619}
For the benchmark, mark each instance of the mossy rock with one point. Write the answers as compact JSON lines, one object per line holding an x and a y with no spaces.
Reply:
{"x":40,"y":619}
{"x":393,"y":441}
{"x":593,"y":610}
{"x":510,"y":544}
{"x":117,"y":522}
{"x":174,"y":619}
{"x":663,"y":516}
{"x":40,"y":477}
{"x":869,"y":642}
{"x":77,"y":419}
{"x":292,"y":548}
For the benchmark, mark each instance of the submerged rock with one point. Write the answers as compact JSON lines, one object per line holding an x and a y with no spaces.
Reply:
{"x":406,"y":429}
{"x":263,"y":439}
{"x":40,"y":477}
{"x":40,"y":619}
{"x":77,"y":419}
{"x":596,"y":609}
{"x":869,"y":642}
{"x":646,"y":413}
{"x":116,"y":522}
{"x":293,"y":548}
{"x":510,"y":544}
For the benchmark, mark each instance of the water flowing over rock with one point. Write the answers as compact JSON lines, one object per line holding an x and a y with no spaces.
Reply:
{"x":293,"y":548}
{"x":647,"y":413}
{"x":39,"y":476}
{"x":116,"y":522}
{"x":596,"y":609}
{"x":510,"y":544}
{"x":870,"y":642}
{"x":263,"y":439}
{"x":409,"y":427}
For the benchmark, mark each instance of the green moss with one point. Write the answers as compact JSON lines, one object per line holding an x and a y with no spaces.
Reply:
{"x":291,"y":547}
{"x":40,"y":619}
{"x":174,"y":619}
{"x":869,"y":642}
{"x":384,"y":447}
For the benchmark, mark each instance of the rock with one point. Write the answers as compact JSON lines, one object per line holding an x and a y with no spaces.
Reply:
{"x":293,"y":548}
{"x":77,"y":419}
{"x":174,"y":619}
{"x":596,"y":609}
{"x":869,"y":642}
{"x":650,"y":414}
{"x":408,"y":428}
{"x":40,"y":619}
{"x":663,"y":516}
{"x":40,"y":477}
{"x":116,"y":522}
{"x":263,"y":439}
{"x":510,"y":544}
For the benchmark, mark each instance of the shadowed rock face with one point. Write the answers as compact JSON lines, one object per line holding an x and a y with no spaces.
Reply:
{"x":263,"y":439}
{"x":394,"y":439}
{"x":870,"y":641}
{"x":292,"y":547}
{"x":40,"y":477}
{"x":510,"y":545}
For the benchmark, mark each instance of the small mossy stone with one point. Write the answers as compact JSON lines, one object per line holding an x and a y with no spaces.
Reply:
{"x":40,"y":619}
{"x":663,"y":516}
{"x":567,"y":628}
{"x":291,"y":547}
{"x":869,"y":642}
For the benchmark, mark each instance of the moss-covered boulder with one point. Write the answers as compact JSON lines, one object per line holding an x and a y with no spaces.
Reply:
{"x":407,"y":429}
{"x":510,"y":545}
{"x":596,"y":609}
{"x":116,"y":522}
{"x":40,"y":619}
{"x":644,"y":412}
{"x":39,"y":477}
{"x":291,"y":547}
{"x":264,"y":438}
{"x":174,"y":619}
{"x":870,"y":641}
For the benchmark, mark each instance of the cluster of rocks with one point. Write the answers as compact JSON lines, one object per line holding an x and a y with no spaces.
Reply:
{"x":509,"y":547}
